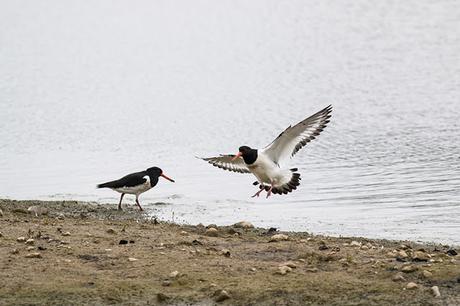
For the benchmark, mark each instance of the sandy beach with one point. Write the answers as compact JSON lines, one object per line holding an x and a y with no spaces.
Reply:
{"x":74,"y":253}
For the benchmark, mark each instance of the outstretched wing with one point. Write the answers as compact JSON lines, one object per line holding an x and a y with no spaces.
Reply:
{"x":294,"y":138}
{"x":225,"y":162}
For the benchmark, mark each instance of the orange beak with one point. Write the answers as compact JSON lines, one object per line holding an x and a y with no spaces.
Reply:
{"x":169,"y":179}
{"x":236,"y":156}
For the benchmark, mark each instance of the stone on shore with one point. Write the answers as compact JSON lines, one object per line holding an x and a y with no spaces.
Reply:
{"x":411,"y":286}
{"x":435,"y":291}
{"x":279,"y":237}
{"x":212,"y":232}
{"x":243,"y":224}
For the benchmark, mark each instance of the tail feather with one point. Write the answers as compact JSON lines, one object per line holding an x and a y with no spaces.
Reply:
{"x":290,"y":186}
{"x":104,"y":185}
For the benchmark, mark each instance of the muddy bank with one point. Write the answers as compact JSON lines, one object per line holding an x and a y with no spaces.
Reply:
{"x":73,"y":253}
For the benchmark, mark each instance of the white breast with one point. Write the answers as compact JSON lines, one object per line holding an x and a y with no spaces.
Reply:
{"x":137,"y":190}
{"x":265,"y":170}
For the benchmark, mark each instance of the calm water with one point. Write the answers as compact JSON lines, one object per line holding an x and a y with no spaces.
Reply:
{"x":92,"y":91}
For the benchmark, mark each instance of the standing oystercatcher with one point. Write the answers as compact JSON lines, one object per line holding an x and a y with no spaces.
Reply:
{"x":266,"y":164}
{"x":136,"y":183}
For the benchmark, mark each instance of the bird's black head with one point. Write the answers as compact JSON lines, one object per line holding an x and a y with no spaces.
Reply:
{"x":249,"y":155}
{"x":156,"y":172}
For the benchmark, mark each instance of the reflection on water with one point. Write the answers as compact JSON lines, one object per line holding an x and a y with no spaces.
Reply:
{"x":90,"y":93}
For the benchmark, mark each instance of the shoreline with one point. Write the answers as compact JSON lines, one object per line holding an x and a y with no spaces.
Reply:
{"x":93,"y":254}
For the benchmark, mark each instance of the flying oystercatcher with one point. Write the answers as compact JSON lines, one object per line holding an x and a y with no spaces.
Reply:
{"x":266,"y":163}
{"x":136,"y":183}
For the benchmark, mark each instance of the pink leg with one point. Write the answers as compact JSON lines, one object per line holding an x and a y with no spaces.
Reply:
{"x":137,"y":202}
{"x":258,"y":193}
{"x":121,"y":198}
{"x":269,"y":192}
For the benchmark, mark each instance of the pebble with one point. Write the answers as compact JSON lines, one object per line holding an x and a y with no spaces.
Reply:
{"x":37,"y":210}
{"x":30,"y":248}
{"x":123,"y":241}
{"x":226,"y":252}
{"x":174,"y":274}
{"x":411,"y":285}
{"x":183,"y":233}
{"x":404,"y":247}
{"x":284,"y":270}
{"x":111,"y":231}
{"x":364,"y":247}
{"x":253,"y":269}
{"x":212,"y":232}
{"x":14,"y":251}
{"x":427,"y":274}
{"x":108,"y":250}
{"x":289,"y":264}
{"x":279,"y":237}
{"x":435,"y":291}
{"x":221,"y":295}
{"x":402,"y":254}
{"x":452,"y":252}
{"x":420,"y":256}
{"x":243,"y":224}
{"x":34,"y":255}
{"x":398,"y":278}
{"x":166,"y":283}
{"x":21,"y":239}
{"x":161,"y":297}
{"x":313,"y":270}
{"x":409,"y":269}
{"x":355,"y":243}
{"x":66,"y":234}
{"x":132,"y":259}
{"x":30,"y":241}
{"x":1,"y":212}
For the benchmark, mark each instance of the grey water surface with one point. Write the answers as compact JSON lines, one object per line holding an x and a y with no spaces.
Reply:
{"x":93,"y":90}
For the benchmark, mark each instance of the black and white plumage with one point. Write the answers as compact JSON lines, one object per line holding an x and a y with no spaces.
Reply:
{"x":136,"y":183}
{"x":266,"y":164}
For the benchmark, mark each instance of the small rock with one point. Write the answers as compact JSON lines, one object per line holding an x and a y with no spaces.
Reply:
{"x":34,"y":255}
{"x":123,"y":241}
{"x":108,"y":250}
{"x":283,"y":270}
{"x":41,"y":248}
{"x":420,"y":256}
{"x":132,"y":259}
{"x":14,"y":251}
{"x":404,"y":247}
{"x":221,"y":295}
{"x":21,"y":239}
{"x":211,"y":226}
{"x":435,"y":291}
{"x":226,"y":252}
{"x":66,"y":234}
{"x":253,"y":269}
{"x":243,"y":224}
{"x":166,"y":283}
{"x":161,"y":297}
{"x":312,"y":270}
{"x":355,"y":244}
{"x":111,"y":231}
{"x":427,"y":274}
{"x":279,"y":237}
{"x":289,"y":264}
{"x":452,"y":252}
{"x":183,"y":233}
{"x":212,"y":232}
{"x":37,"y":210}
{"x":1,"y":212}
{"x":30,"y":248}
{"x":411,"y":286}
{"x":173,"y":274}
{"x":398,"y":278}
{"x":30,"y":241}
{"x":364,"y":248}
{"x":323,"y":246}
{"x":402,"y":254}
{"x":409,"y":269}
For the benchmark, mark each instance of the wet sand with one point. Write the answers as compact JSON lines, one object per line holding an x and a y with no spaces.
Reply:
{"x":74,"y":253}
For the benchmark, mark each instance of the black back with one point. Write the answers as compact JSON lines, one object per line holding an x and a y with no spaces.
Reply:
{"x":135,"y":179}
{"x":249,"y":155}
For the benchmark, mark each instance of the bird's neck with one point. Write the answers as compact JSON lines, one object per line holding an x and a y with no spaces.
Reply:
{"x":250,"y":157}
